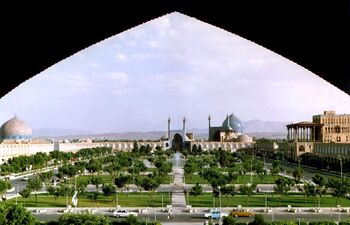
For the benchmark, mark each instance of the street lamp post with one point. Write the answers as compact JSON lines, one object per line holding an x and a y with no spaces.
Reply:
{"x":251,"y":171}
{"x":188,"y":198}
{"x":162,"y":201}
{"x":16,"y":193}
{"x":341,"y":170}
{"x":219,"y":196}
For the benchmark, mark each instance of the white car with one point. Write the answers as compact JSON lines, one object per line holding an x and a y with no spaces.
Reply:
{"x":25,"y":178}
{"x":215,"y":214}
{"x":123,"y":213}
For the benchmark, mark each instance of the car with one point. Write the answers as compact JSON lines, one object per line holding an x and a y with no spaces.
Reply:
{"x":215,"y":214}
{"x":25,"y":178}
{"x":123,"y":213}
{"x":241,"y":213}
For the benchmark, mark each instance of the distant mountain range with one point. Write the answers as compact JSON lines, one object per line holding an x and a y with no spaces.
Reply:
{"x":257,"y":128}
{"x":253,"y":126}
{"x":56,"y":132}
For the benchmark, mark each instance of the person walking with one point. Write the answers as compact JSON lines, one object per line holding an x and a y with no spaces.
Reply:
{"x":170,"y":215}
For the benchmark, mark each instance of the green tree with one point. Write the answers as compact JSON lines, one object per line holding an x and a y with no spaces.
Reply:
{"x":13,"y":214}
{"x":282,"y":186}
{"x":320,"y":188}
{"x":135,"y":148}
{"x":138,"y":182}
{"x":228,"y":191}
{"x":94,"y":196}
{"x":258,"y":167}
{"x":108,"y":189}
{"x":94,"y":166}
{"x":83,"y":219}
{"x":25,"y":193}
{"x":248,"y":190}
{"x":4,"y":186}
{"x":196,"y":190}
{"x":150,"y":184}
{"x":194,"y":150}
{"x":258,"y":220}
{"x":81,"y":185}
{"x":339,"y":188}
{"x":276,"y":168}
{"x":200,"y":150}
{"x":35,"y":184}
{"x":53,"y":191}
{"x":122,"y":180}
{"x":96,"y":180}
{"x":298,"y":174}
{"x":228,"y":220}
{"x":46,"y":176}
{"x":65,"y":190}
{"x":190,"y":167}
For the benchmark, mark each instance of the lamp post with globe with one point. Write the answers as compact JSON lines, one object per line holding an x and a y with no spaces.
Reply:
{"x":219,"y":196}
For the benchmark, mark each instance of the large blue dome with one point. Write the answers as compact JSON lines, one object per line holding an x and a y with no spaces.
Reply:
{"x":234,"y":123}
{"x":16,"y":130}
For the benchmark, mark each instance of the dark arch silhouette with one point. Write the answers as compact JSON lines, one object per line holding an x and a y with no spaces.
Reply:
{"x":177,"y":142}
{"x":313,"y":34}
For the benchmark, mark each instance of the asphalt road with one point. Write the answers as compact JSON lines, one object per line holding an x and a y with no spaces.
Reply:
{"x":198,"y":217}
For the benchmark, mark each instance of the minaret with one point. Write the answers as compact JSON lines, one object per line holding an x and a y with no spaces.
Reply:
{"x":228,"y":122}
{"x":184,"y":128}
{"x":169,"y":128}
{"x":209,"y":120}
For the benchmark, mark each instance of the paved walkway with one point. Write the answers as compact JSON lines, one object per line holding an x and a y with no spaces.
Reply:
{"x":178,"y":198}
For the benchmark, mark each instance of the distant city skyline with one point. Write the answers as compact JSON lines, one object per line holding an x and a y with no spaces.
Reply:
{"x":174,"y":66}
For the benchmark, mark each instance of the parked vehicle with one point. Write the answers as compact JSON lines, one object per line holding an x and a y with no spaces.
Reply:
{"x":25,"y":178}
{"x":242,"y":213}
{"x":215,"y":214}
{"x":123,"y":213}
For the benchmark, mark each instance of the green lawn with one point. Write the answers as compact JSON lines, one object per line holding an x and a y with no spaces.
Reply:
{"x":268,"y":179}
{"x":125,"y":200}
{"x":206,"y":200}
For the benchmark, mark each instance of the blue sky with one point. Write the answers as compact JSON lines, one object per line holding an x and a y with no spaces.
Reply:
{"x":173,"y":65}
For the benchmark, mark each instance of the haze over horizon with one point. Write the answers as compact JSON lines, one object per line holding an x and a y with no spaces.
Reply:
{"x":175,"y":66}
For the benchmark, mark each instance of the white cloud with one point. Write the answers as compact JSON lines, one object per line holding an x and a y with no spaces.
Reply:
{"x":153,"y":44}
{"x":119,"y":77}
{"x":162,"y":23}
{"x":120,"y":56}
{"x":173,"y":65}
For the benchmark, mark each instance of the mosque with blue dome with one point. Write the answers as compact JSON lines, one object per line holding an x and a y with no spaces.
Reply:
{"x":231,"y":130}
{"x":16,"y":139}
{"x":15,"y":130}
